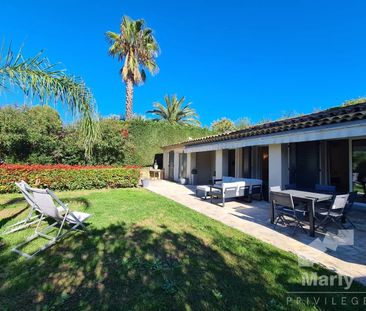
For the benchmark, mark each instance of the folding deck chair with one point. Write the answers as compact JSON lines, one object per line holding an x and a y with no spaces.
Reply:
{"x":45,"y":200}
{"x":33,"y":215}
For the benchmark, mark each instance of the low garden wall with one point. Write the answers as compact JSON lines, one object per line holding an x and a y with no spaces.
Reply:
{"x":67,"y":177}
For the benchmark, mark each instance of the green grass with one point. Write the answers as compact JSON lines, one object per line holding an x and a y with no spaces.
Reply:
{"x":146,"y":252}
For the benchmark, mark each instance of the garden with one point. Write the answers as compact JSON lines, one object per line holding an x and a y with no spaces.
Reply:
{"x":139,"y":250}
{"x":145,"y":252}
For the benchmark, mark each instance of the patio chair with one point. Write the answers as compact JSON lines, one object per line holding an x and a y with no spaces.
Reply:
{"x":328,"y":189}
{"x":334,"y":214}
{"x":60,"y":216}
{"x":33,"y":215}
{"x":290,"y":187}
{"x":351,"y":199}
{"x":286,"y":211}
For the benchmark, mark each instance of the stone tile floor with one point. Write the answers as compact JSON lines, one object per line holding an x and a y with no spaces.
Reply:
{"x":253,"y":218}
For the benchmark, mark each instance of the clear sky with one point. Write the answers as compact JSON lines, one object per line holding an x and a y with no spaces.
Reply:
{"x":255,"y":59}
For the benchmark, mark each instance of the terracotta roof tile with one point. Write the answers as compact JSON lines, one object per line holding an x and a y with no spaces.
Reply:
{"x":324,"y":117}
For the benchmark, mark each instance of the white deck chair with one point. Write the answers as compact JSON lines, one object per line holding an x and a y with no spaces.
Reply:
{"x":33,"y":215}
{"x":45,"y":200}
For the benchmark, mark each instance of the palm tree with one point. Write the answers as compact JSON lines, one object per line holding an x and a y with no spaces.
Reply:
{"x":174,"y":113}
{"x":138,"y":49}
{"x":37,"y":77}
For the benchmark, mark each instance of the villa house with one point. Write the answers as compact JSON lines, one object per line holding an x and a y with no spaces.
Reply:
{"x":326,"y":147}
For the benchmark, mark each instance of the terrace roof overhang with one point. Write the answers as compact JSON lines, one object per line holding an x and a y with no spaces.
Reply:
{"x":344,"y":130}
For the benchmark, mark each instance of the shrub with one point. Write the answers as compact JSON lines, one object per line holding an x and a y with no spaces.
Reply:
{"x":29,"y":133}
{"x":67,"y":177}
{"x":223,"y":125}
{"x":36,"y":135}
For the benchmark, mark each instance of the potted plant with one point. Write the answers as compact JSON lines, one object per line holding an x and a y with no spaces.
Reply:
{"x":145,"y":182}
{"x":194,"y":173}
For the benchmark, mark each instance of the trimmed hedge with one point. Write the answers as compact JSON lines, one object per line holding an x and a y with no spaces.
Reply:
{"x":65,"y":177}
{"x":145,"y":138}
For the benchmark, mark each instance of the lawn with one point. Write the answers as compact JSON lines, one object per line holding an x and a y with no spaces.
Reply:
{"x":146,"y":252}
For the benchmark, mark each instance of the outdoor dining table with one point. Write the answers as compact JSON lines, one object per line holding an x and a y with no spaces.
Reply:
{"x":310,"y":198}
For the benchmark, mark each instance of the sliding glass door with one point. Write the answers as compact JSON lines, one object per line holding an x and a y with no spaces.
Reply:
{"x":304,"y":169}
{"x":359,"y":165}
{"x":182,"y":165}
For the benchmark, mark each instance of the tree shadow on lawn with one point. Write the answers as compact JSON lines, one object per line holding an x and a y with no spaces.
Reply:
{"x":134,"y":267}
{"x":11,"y":202}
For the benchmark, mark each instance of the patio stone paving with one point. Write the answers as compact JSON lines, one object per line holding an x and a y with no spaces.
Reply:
{"x":253,"y":219}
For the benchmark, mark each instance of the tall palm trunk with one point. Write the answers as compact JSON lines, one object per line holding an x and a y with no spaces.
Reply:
{"x":129,"y":98}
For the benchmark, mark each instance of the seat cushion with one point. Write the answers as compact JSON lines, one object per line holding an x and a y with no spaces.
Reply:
{"x":203,"y":188}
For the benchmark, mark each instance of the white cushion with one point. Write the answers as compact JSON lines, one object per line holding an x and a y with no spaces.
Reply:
{"x":237,"y":183}
{"x":203,"y":188}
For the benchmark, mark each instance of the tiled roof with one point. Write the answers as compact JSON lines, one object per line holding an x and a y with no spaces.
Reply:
{"x":324,"y":117}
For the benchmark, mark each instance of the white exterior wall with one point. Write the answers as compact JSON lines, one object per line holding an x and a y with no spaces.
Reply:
{"x":176,"y":165}
{"x":189,"y":166}
{"x":219,"y":163}
{"x":335,"y":131}
{"x":275,"y":165}
{"x":177,"y":151}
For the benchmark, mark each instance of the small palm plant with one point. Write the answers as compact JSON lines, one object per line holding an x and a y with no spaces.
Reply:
{"x":138,"y":49}
{"x":175,"y":111}
{"x":37,"y":77}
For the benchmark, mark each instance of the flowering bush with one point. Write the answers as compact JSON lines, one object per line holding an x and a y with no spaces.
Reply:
{"x":68,"y":177}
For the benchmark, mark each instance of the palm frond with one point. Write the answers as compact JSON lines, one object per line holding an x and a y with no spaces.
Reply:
{"x":37,"y":77}
{"x":174,"y":113}
{"x":137,"y":47}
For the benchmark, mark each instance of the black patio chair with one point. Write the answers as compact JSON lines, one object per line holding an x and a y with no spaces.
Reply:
{"x":245,"y":190}
{"x":290,"y":187}
{"x":351,"y":199}
{"x":328,"y":189}
{"x":286,"y":211}
{"x":334,"y":214}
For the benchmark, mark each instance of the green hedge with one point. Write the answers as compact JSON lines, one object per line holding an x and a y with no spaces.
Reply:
{"x":68,"y":179}
{"x":146,"y":137}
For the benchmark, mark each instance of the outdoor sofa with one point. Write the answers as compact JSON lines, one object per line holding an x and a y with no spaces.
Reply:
{"x":232,"y":187}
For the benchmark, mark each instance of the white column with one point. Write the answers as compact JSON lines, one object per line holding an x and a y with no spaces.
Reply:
{"x":176,"y":165}
{"x":189,"y":166}
{"x":275,"y":165}
{"x":166,"y":164}
{"x":238,"y":162}
{"x":218,"y":163}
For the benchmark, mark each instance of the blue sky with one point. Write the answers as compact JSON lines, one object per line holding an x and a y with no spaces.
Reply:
{"x":255,"y":59}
